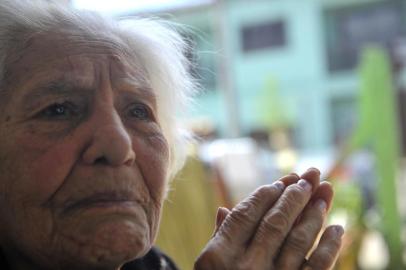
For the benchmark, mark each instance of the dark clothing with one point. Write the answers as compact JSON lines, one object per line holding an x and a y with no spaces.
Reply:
{"x":153,"y":260}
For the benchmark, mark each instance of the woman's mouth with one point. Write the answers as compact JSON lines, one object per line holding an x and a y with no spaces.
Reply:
{"x":111,"y":200}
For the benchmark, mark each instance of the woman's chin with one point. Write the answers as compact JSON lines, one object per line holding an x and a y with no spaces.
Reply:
{"x":111,"y":244}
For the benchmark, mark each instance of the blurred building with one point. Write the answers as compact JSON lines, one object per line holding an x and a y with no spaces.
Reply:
{"x":268,"y":64}
{"x":303,"y":54}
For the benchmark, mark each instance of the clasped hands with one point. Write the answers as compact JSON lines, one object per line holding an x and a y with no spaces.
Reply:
{"x":276,"y":227}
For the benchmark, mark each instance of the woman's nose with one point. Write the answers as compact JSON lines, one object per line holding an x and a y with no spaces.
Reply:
{"x":110,"y":143}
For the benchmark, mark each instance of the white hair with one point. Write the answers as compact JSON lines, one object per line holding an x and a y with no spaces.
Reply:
{"x":157,"y":47}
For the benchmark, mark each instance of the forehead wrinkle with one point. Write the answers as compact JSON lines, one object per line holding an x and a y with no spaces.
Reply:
{"x":23,"y":75}
{"x":128,"y":92}
{"x":125,"y":66}
{"x":82,"y":71}
{"x":57,"y":55}
{"x":61,"y":81}
{"x":49,"y":48}
{"x":46,"y":46}
{"x":129,"y":77}
{"x":54,"y":88}
{"x":104,"y":43}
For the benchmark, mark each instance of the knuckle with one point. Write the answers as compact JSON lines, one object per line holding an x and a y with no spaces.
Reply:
{"x":244,"y":212}
{"x":290,"y":204}
{"x":317,"y":215}
{"x":275,"y":224}
{"x":295,"y":194}
{"x":264,"y":191}
{"x":312,"y":225}
{"x":299,"y":241}
{"x":226,"y":232}
{"x":322,"y":262}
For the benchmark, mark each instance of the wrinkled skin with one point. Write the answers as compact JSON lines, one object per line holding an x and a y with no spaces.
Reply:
{"x":83,"y":159}
{"x":84,"y":163}
{"x":275,"y":228}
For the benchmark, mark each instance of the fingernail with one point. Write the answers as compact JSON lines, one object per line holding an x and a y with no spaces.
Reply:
{"x":313,"y":169}
{"x":295,"y":174}
{"x":321,"y":205}
{"x":339,"y":231}
{"x":279,"y":185}
{"x":219,"y":216}
{"x":305,"y":185}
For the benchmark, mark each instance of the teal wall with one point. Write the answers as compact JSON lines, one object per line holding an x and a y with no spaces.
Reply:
{"x":297,"y":67}
{"x":306,"y":88}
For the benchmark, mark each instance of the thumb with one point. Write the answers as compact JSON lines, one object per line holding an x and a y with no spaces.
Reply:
{"x":222,"y":213}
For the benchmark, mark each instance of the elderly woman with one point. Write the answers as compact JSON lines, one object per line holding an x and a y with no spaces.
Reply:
{"x":89,"y":140}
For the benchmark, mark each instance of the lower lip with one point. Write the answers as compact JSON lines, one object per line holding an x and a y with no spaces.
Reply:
{"x":119,"y":207}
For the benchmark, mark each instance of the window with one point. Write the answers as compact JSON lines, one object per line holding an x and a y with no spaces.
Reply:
{"x":349,"y":29}
{"x":263,"y":36}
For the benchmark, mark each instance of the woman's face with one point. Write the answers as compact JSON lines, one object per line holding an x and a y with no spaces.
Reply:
{"x":83,"y":160}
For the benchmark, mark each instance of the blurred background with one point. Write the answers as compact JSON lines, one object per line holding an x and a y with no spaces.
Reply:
{"x":286,"y":85}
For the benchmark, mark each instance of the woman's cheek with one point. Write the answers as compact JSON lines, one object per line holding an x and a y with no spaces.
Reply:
{"x":46,"y":165}
{"x":152,"y":157}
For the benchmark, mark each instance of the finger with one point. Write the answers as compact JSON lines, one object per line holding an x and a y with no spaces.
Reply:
{"x":326,"y":253}
{"x":222,"y":213}
{"x":290,"y":180}
{"x":324,"y":191}
{"x":313,"y":176}
{"x":304,"y":234}
{"x":239,"y":226}
{"x":279,"y":219}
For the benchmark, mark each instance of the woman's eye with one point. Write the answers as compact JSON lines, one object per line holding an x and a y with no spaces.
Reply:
{"x":59,"y":110}
{"x":140,"y":111}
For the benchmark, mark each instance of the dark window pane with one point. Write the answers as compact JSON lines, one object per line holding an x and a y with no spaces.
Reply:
{"x":348,"y":30}
{"x":262,"y":36}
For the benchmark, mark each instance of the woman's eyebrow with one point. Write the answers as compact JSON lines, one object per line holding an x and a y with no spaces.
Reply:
{"x":142,"y":91}
{"x":54,"y":88}
{"x":57,"y":87}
